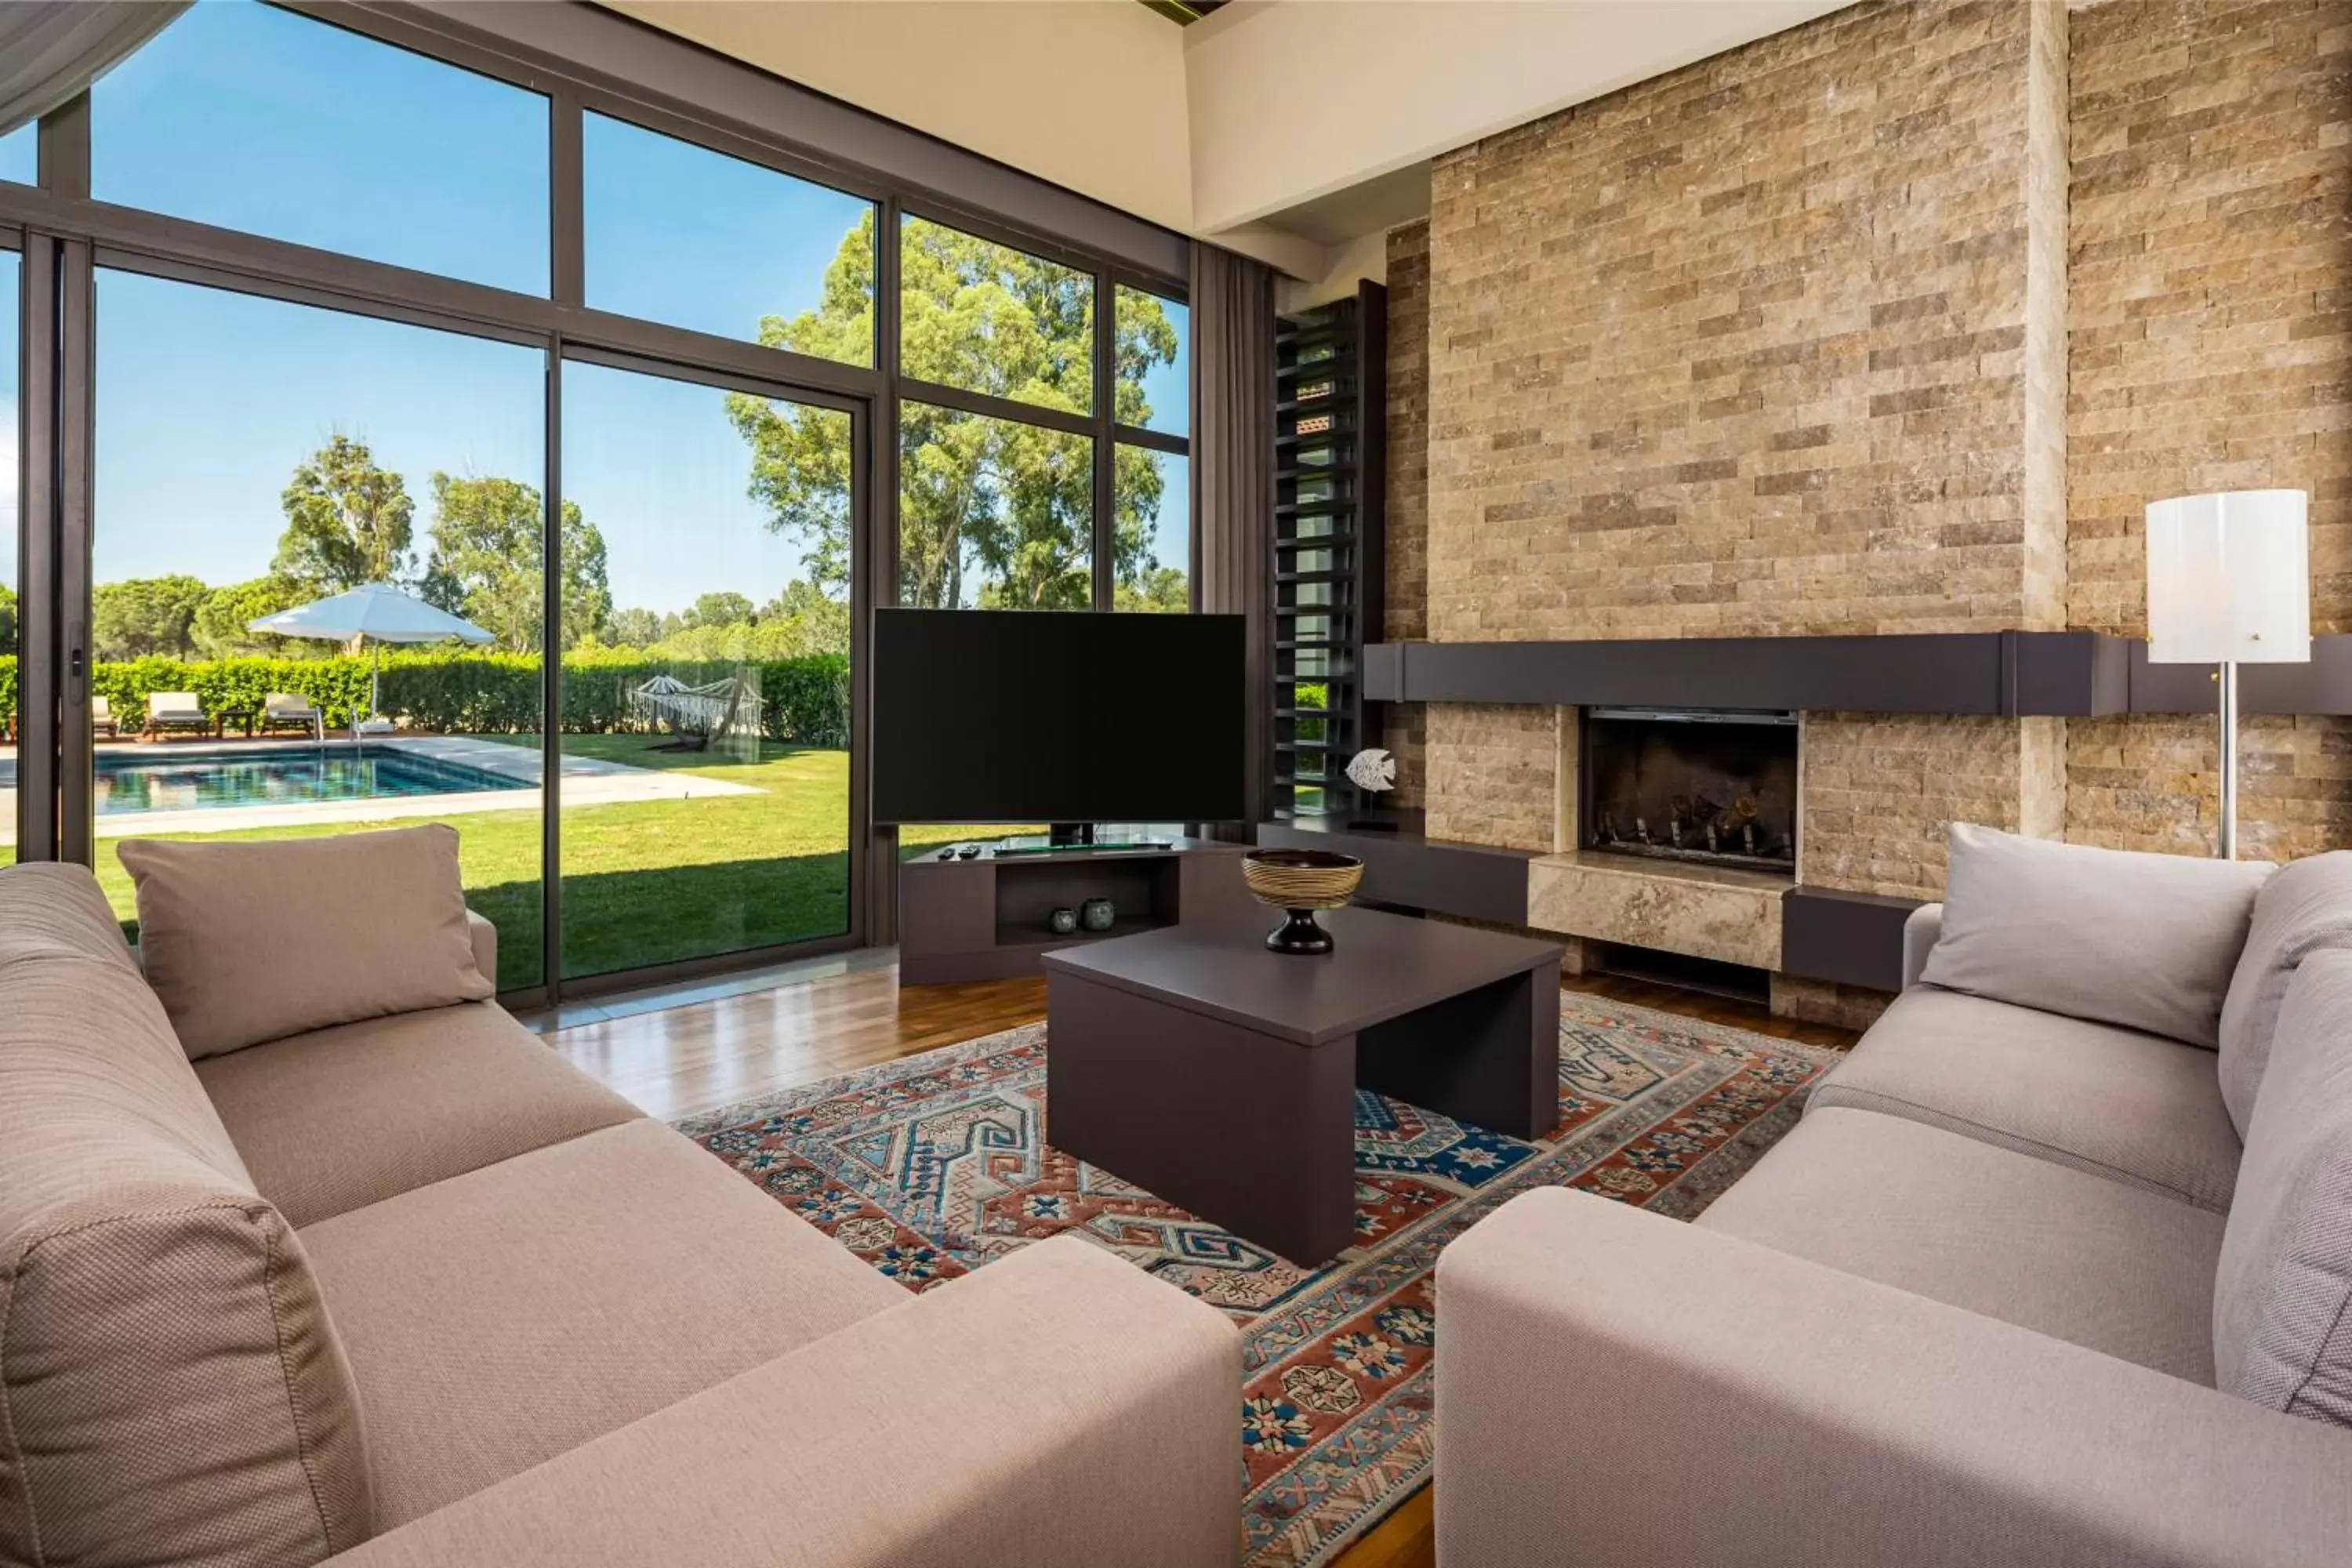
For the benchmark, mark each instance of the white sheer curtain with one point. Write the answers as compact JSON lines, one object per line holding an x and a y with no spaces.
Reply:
{"x":52,"y":50}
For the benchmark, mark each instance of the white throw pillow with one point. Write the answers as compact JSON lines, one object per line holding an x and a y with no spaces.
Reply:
{"x":2118,"y":936}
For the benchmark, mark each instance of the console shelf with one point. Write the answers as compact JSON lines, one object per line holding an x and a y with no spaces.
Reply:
{"x":987,"y":918}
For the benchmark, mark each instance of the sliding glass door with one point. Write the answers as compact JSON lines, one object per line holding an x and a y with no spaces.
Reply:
{"x":251,"y":456}
{"x":12,"y":271}
{"x":705,"y":593}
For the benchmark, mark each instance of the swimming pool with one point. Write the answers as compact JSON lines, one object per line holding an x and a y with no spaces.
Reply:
{"x":190,"y":780}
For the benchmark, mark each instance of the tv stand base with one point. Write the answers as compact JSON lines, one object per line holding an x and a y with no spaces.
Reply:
{"x":991,"y":917}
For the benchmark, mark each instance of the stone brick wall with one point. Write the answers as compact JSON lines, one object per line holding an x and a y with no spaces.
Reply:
{"x":2211,"y":348}
{"x":1741,"y":350}
{"x":1749,"y":349}
{"x":1877,"y":791}
{"x":1405,"y":612}
{"x":1405,"y":615}
{"x":1894,"y":322}
{"x":1494,"y":774}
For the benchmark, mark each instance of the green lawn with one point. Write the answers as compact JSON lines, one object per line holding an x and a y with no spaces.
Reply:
{"x":651,"y":882}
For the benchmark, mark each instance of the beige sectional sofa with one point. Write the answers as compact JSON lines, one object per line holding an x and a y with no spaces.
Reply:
{"x":2056,"y":1269}
{"x":400,"y":1287}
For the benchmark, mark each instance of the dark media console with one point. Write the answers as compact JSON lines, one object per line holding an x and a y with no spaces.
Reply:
{"x":987,"y":917}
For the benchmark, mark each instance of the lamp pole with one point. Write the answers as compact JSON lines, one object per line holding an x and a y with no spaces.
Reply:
{"x":2229,"y":582}
{"x":2227,"y":678}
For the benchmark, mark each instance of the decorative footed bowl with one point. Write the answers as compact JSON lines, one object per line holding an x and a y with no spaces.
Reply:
{"x":1299,"y":883}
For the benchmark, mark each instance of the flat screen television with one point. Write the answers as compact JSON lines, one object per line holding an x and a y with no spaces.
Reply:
{"x":1061,"y":717}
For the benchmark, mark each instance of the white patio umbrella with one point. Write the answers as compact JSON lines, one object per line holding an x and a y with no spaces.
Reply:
{"x":377,"y":613}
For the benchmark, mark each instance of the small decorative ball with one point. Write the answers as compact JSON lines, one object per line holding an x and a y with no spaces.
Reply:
{"x":1099,"y":914}
{"x":1063,"y":921}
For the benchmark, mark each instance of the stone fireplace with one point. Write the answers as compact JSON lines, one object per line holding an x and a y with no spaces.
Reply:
{"x":1708,"y":787}
{"x":1746,"y":352}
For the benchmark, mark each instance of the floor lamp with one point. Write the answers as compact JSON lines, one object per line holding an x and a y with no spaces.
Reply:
{"x":2229,"y":582}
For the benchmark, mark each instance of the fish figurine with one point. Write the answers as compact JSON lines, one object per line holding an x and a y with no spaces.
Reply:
{"x":1372,"y":769}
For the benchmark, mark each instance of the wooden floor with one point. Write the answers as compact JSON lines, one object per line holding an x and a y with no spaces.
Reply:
{"x":678,"y":1061}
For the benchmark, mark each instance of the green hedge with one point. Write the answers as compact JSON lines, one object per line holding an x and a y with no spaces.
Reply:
{"x":804,"y":700}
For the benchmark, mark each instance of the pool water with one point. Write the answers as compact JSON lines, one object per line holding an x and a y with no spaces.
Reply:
{"x":196,"y":781}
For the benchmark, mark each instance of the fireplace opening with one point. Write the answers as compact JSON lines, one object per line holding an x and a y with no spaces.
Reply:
{"x":1714,"y":785}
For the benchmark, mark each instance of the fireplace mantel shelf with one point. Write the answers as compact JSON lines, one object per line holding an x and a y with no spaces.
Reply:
{"x":2015,"y":673}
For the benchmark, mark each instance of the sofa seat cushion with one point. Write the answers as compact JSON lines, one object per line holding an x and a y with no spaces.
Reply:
{"x":501,"y":1317}
{"x":2099,"y":1264}
{"x":2140,"y":1108}
{"x":340,"y":1118}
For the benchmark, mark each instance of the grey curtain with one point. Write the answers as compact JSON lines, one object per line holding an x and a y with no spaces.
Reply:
{"x":1232,"y":473}
{"x":52,"y":50}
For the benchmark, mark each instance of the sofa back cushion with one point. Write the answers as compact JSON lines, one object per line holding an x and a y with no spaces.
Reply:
{"x":2305,"y":909}
{"x":246,"y":942}
{"x":171,"y":1389}
{"x":2123,"y":937}
{"x":2282,"y":1295}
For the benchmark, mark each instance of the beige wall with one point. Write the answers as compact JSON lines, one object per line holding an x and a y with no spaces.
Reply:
{"x":1416,"y":80}
{"x":1204,"y":129}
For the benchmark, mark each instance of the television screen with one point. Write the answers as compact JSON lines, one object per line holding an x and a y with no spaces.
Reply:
{"x":1053,"y":716}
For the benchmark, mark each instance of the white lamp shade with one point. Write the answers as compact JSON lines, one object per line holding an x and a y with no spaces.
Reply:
{"x":2229,"y":578}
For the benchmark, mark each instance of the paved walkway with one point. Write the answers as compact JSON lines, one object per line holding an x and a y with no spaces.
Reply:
{"x":587,"y":781}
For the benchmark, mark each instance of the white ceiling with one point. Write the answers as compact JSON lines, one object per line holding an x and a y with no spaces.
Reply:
{"x":1284,"y":128}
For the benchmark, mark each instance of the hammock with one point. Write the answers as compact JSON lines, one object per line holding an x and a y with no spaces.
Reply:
{"x":705,"y":712}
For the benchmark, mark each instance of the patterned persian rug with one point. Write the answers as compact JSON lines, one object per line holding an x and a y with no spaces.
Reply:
{"x":930,"y":1166}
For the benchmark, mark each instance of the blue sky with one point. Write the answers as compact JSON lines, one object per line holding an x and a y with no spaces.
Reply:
{"x":19,"y":156}
{"x":255,"y":118}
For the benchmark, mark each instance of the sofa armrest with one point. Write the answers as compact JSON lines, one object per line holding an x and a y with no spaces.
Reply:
{"x":1921,"y":930}
{"x":1657,"y":1392}
{"x":485,"y":938}
{"x":1060,"y":1409}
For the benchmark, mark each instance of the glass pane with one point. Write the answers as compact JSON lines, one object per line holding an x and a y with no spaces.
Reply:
{"x":709,"y":657}
{"x":988,"y":318}
{"x":993,"y":513}
{"x":1154,"y":377}
{"x":253,"y":118}
{"x":252,"y":456}
{"x":1155,"y":530}
{"x":20,"y":155}
{"x":679,"y":234}
{"x":11,"y":280}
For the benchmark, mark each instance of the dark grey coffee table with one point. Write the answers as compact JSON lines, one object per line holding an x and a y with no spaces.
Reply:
{"x":1194,"y":1062}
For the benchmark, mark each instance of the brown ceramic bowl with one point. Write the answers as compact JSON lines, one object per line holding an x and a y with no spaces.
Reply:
{"x":1301,"y":879}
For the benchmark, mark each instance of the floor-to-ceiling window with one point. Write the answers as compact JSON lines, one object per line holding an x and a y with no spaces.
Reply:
{"x":255,"y":119}
{"x":718,"y":669}
{"x":1023,"y":485}
{"x":12,"y":272}
{"x":252,"y":456}
{"x":20,"y":155}
{"x":607,"y":383}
